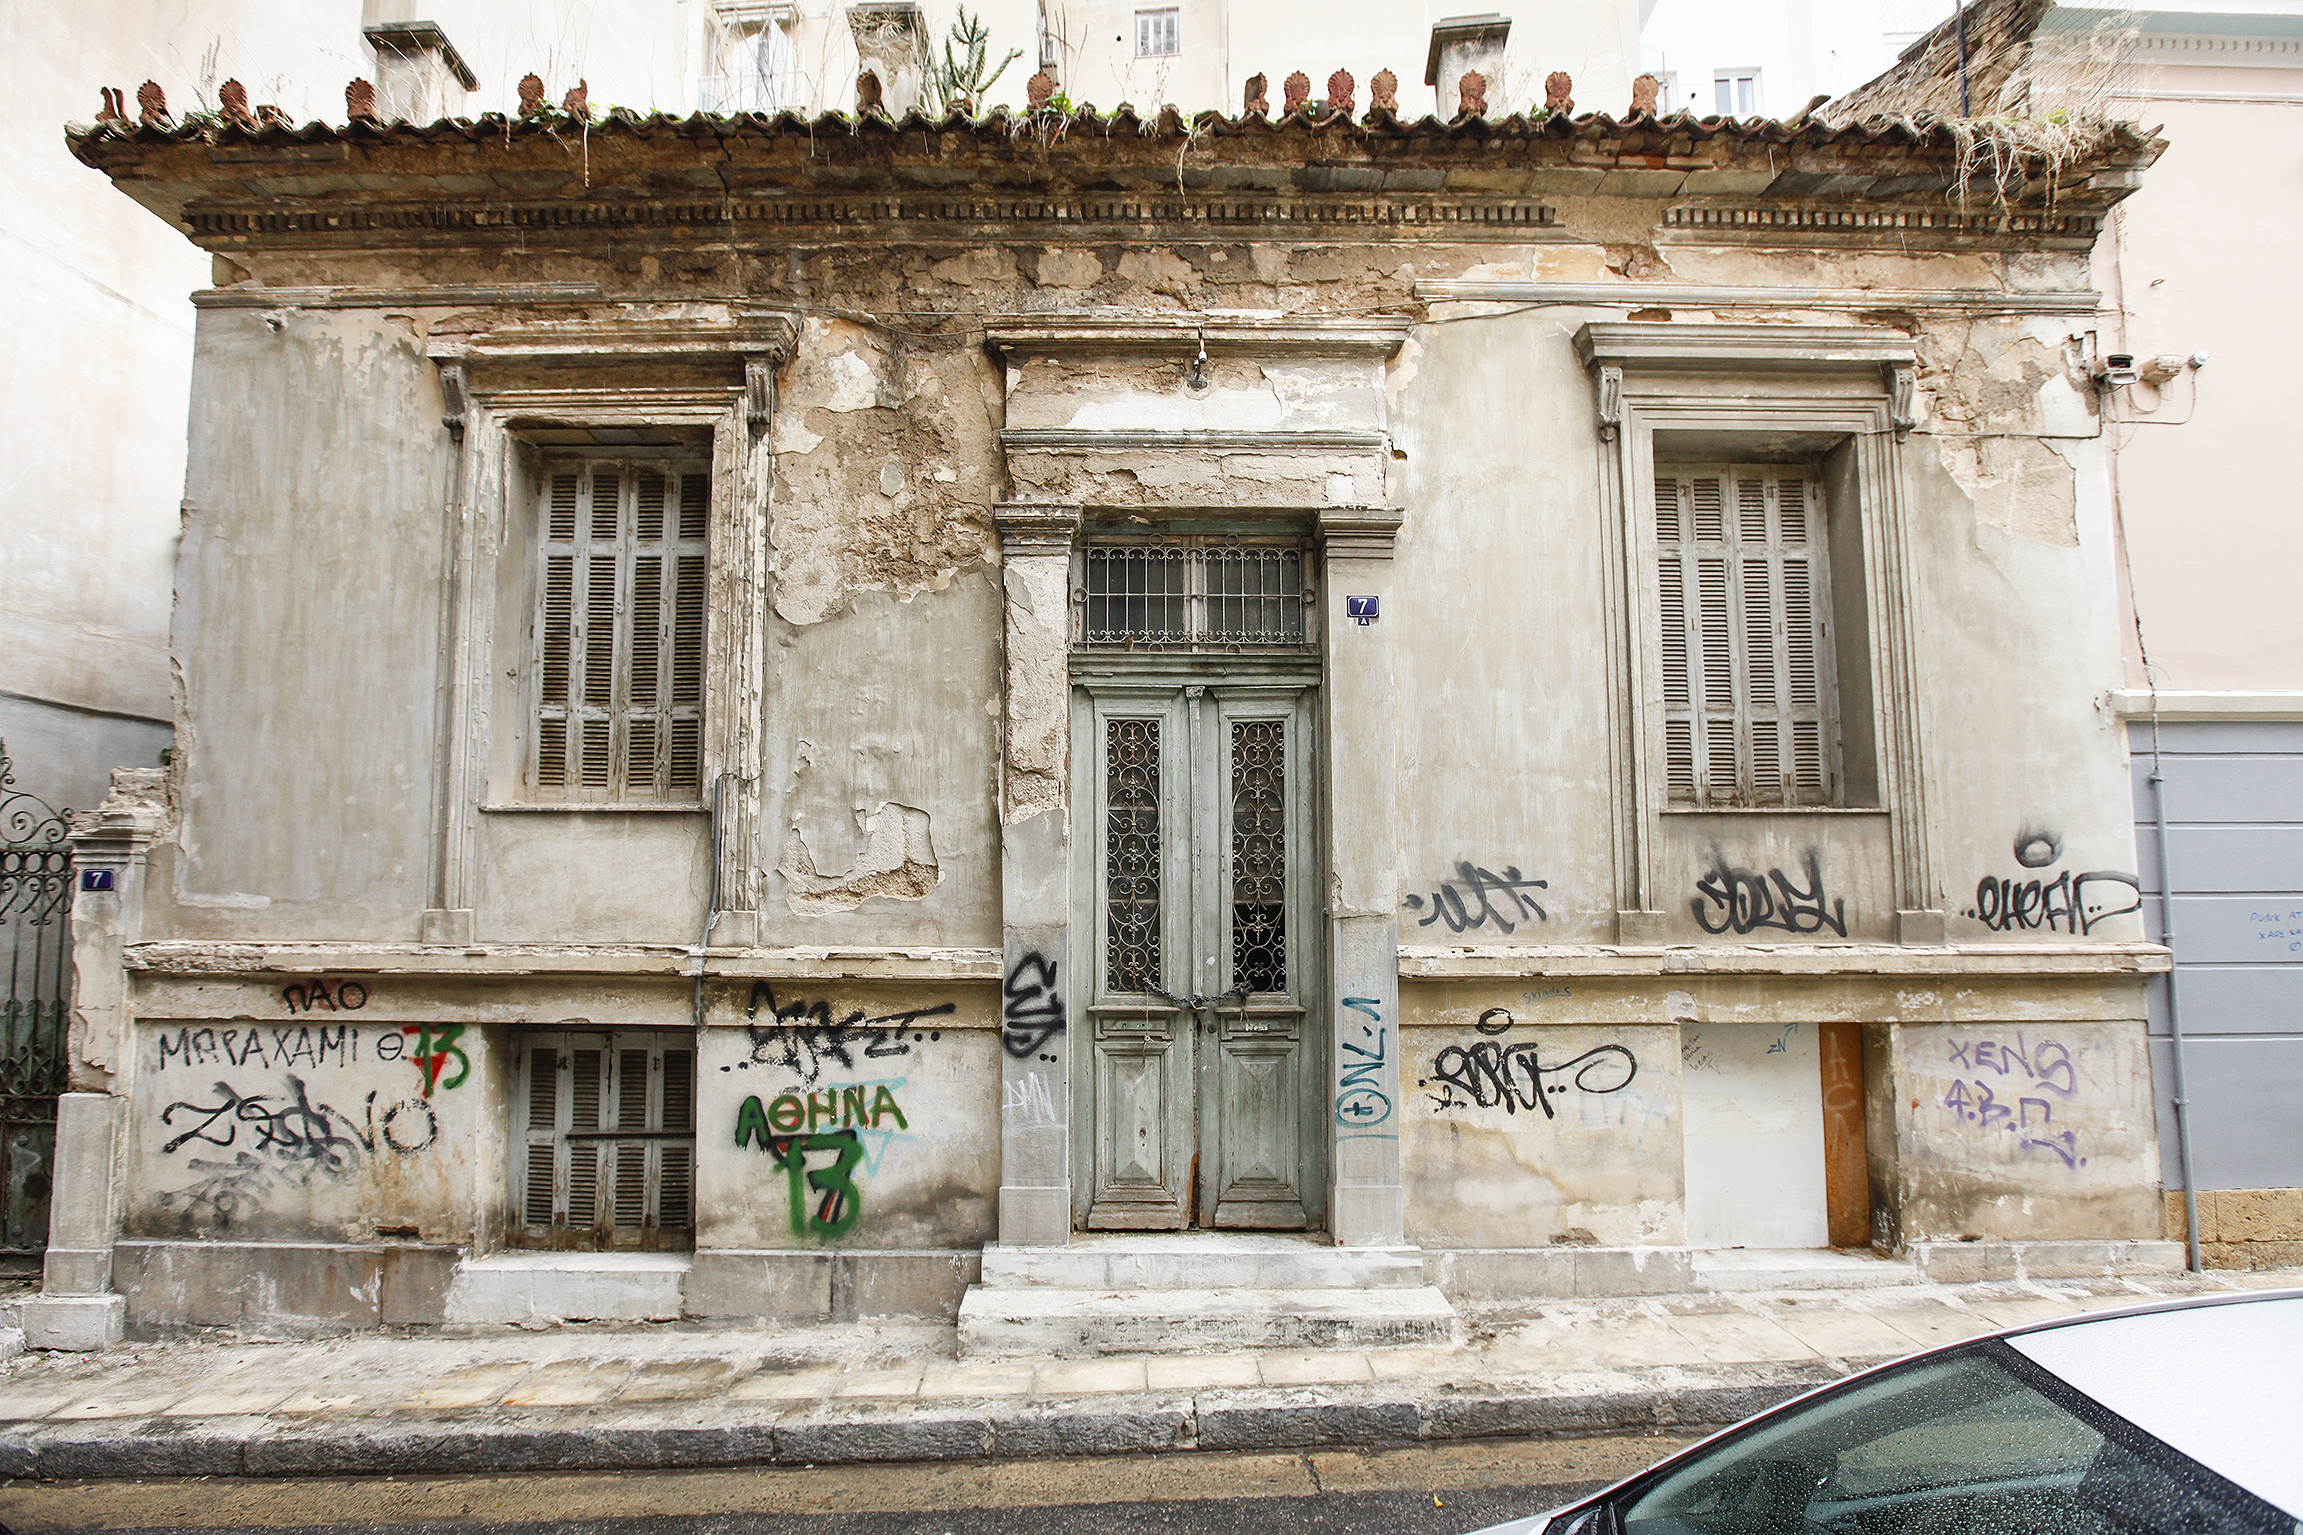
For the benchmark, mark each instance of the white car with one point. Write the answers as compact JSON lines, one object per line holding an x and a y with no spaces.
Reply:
{"x":2184,"y":1418}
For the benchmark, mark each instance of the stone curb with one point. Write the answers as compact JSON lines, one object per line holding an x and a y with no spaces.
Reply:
{"x":716,"y":1435}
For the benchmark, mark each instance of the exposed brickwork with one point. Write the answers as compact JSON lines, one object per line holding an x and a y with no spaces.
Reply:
{"x":2244,"y":1228}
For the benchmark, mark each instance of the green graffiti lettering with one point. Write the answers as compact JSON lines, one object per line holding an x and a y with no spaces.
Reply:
{"x":823,"y":1108}
{"x":787,"y":1113}
{"x":752,"y":1124}
{"x":851,"y":1106}
{"x":884,"y":1102}
{"x":838,"y":1204}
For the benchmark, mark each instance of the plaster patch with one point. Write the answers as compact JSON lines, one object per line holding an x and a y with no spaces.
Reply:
{"x":1069,"y":269}
{"x":898,"y":863}
{"x":2019,"y":485}
{"x":976,"y":268}
{"x":1155,"y":268}
{"x":1226,"y":409}
{"x":1401,"y":371}
{"x":1315,"y":395}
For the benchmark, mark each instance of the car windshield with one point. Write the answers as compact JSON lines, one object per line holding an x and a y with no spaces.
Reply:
{"x":1975,"y":1441}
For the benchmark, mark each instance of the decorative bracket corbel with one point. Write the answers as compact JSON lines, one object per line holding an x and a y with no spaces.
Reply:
{"x":1610,"y":401}
{"x":1902,"y":381}
{"x":759,"y":392}
{"x":453,"y":389}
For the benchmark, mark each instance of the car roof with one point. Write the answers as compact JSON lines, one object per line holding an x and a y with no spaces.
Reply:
{"x":2218,"y":1377}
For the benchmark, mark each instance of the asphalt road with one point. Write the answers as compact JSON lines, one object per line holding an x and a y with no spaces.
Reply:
{"x":1439,"y":1490}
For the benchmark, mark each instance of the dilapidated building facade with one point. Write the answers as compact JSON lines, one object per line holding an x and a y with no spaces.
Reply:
{"x":848,"y":718}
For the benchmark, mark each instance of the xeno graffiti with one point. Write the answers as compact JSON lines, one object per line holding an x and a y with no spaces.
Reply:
{"x":282,"y":1140}
{"x":831,"y":1122}
{"x":1478,"y":903}
{"x":1360,"y":1101}
{"x":1031,"y":1009}
{"x":1487,"y":1073}
{"x":804,"y":1038}
{"x":1747,"y":901}
{"x":2018,"y":1068}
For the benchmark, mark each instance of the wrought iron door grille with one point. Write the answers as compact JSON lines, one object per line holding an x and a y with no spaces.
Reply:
{"x":1194,"y":594}
{"x":36,"y":958}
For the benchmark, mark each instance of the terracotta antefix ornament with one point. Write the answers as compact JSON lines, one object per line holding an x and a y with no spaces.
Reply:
{"x":867,"y":94}
{"x":1644,"y":90}
{"x":1471,"y":94}
{"x":115,"y":108}
{"x":1296,"y":89}
{"x":579,"y":102}
{"x":270,"y":116}
{"x":1038,"y":89}
{"x":1256,"y":101}
{"x":234,"y":109}
{"x":1558,"y":92}
{"x":1383,"y":92}
{"x":360,"y":102}
{"x":152,"y":104}
{"x":1339,"y":91}
{"x":531,"y":95}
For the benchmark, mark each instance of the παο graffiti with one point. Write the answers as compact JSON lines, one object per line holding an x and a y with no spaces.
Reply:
{"x":1487,"y":1073}
{"x":1746,"y":901}
{"x":326,"y":996}
{"x":804,"y":1038}
{"x":1485,"y":897}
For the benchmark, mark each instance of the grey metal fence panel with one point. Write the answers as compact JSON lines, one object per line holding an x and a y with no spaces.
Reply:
{"x":2234,"y":795}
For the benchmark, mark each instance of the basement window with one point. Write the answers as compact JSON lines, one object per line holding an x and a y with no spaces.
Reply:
{"x":606,"y":1156}
{"x":1193,"y":593}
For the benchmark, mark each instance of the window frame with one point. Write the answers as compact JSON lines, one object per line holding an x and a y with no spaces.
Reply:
{"x":618,"y":712}
{"x":1841,"y":396}
{"x":1736,"y":83}
{"x":1148,"y":26}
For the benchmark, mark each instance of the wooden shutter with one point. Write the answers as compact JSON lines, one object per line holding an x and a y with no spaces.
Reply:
{"x":608,"y":1149}
{"x":619,"y":634}
{"x":1741,"y":604}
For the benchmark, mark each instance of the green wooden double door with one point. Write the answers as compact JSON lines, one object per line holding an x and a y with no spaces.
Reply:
{"x":1199,"y":956}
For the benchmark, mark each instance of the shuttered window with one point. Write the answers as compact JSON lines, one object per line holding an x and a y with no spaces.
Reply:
{"x":1743,"y":603}
{"x":619,"y":631}
{"x":607,"y":1151}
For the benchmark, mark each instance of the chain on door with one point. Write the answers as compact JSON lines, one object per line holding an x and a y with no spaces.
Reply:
{"x":1205,"y":959}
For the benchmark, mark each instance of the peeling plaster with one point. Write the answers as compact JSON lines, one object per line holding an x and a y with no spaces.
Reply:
{"x":898,"y":863}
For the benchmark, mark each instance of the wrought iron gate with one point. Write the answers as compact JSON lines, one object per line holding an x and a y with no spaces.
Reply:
{"x":36,"y":959}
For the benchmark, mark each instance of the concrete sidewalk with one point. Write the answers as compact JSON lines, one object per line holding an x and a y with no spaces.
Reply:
{"x":583,"y":1398}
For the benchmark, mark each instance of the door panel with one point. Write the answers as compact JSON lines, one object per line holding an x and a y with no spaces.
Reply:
{"x":1202,"y":911}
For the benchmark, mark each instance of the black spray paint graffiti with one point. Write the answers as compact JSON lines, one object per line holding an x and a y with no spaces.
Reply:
{"x":1747,"y":901}
{"x":2019,"y":1068}
{"x":1487,"y":1073}
{"x":301,"y":1046}
{"x":326,"y":996}
{"x":283,"y":1141}
{"x":2070,"y":903}
{"x":1360,"y":1101}
{"x":1485,"y":897}
{"x":1031,"y":1009}
{"x":804,"y":1039}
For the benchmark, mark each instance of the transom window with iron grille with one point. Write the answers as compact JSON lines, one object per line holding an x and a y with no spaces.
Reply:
{"x":1194,"y":594}
{"x":607,"y":1154}
{"x":618,"y":646}
{"x":1743,"y":599}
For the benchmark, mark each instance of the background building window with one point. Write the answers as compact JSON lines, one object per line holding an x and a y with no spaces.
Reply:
{"x":607,"y":1151}
{"x":618,"y":652}
{"x":1743,"y":601}
{"x":1156,"y":34}
{"x":1736,"y":92}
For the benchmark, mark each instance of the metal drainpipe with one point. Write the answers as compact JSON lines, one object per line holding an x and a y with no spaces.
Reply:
{"x":2174,"y":1014}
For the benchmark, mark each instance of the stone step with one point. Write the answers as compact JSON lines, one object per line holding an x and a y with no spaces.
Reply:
{"x":1748,"y":1269}
{"x":1201,"y":1261}
{"x":1000,"y":1323}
